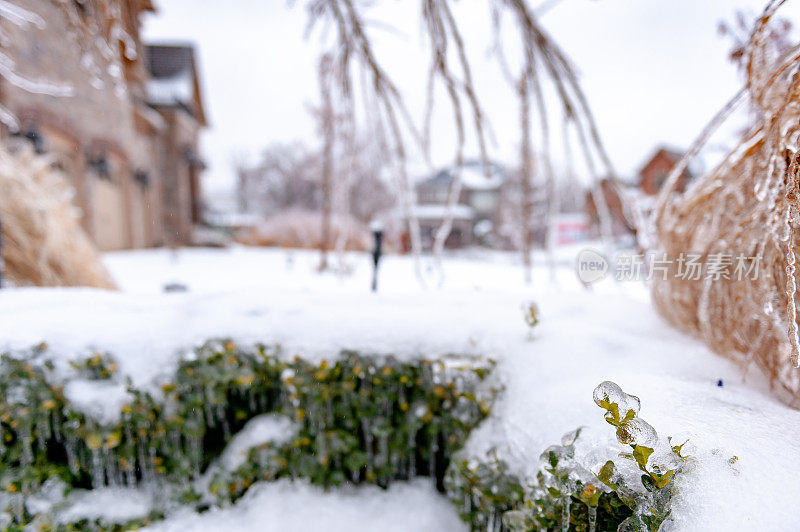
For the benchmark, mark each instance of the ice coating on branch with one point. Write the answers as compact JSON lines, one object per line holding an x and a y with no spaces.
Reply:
{"x":8,"y":73}
{"x":663,"y":459}
{"x":609,"y":393}
{"x":557,"y":453}
{"x":19,"y":16}
{"x":637,"y":431}
{"x":128,"y":44}
{"x":746,"y":205}
{"x":570,"y":438}
{"x":8,"y":119}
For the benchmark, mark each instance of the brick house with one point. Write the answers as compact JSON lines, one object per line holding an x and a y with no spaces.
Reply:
{"x":127,"y":136}
{"x":657,"y":168}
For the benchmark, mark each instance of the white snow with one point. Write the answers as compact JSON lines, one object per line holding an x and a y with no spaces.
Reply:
{"x":115,"y":505}
{"x":261,"y":429}
{"x":286,"y":506}
{"x":169,"y":91}
{"x":585,"y":337}
{"x":436,"y":211}
{"x":474,"y":178}
{"x":101,"y":400}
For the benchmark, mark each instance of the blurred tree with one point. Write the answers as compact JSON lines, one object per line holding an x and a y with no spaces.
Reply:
{"x":288,"y":176}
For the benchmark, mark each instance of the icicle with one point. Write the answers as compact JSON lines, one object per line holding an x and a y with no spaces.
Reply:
{"x":565,"y":504}
{"x":592,"y":518}
{"x":208,"y":398}
{"x":434,"y":448}
{"x":152,"y":462}
{"x":130,"y":473}
{"x":72,"y":458}
{"x":19,"y":508}
{"x":175,"y":440}
{"x":383,"y":449}
{"x":226,"y":431}
{"x":27,"y":444}
{"x":97,"y":469}
{"x":412,"y":465}
{"x":43,"y":430}
{"x":791,"y":307}
{"x":141,"y":457}
{"x":109,"y":468}
{"x":197,"y":452}
{"x":56,"y":425}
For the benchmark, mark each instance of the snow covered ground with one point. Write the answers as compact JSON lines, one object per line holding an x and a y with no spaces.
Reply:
{"x":298,"y":507}
{"x":585,"y":337}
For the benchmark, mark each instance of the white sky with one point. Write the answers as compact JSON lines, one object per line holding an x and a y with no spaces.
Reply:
{"x":654,"y":71}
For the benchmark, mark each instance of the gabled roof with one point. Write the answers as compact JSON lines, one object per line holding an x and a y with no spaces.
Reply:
{"x":174,"y":79}
{"x":672,"y":154}
{"x":472,"y":177}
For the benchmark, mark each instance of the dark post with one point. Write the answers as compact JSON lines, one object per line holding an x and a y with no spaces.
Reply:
{"x":377,"y":232}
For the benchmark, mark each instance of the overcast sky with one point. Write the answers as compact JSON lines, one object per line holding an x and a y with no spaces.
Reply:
{"x":655,"y":71}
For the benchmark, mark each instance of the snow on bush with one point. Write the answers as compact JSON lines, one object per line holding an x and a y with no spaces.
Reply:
{"x":214,"y":428}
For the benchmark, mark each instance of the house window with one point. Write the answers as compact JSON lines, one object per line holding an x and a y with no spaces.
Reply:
{"x":100,"y":166}
{"x":142,"y":178}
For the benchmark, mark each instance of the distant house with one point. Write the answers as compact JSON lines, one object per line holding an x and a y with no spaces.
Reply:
{"x":127,"y":139}
{"x":174,"y":91}
{"x":657,"y":168}
{"x":475,"y":210}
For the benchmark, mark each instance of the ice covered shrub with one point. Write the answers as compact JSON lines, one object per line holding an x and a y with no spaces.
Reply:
{"x":483,"y":490}
{"x":98,"y":366}
{"x":372,"y":419}
{"x":656,"y":459}
{"x":629,"y":491}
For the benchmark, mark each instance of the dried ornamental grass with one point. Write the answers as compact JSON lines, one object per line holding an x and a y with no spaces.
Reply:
{"x":43,"y":242}
{"x":745,"y":212}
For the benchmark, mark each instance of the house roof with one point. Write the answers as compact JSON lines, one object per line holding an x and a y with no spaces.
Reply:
{"x":174,"y":79}
{"x":673,"y":154}
{"x":472,"y":177}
